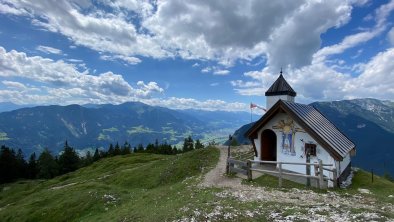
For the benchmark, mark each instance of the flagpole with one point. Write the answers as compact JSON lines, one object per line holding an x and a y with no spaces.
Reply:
{"x":251,"y":113}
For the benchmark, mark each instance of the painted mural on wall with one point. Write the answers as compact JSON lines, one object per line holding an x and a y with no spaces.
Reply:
{"x":288,"y":129}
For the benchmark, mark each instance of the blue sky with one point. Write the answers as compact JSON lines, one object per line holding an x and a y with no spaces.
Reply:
{"x":212,"y":55}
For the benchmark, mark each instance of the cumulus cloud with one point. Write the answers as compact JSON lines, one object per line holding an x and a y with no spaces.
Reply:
{"x":231,"y":29}
{"x":49,"y":50}
{"x":391,"y":36}
{"x":62,"y":82}
{"x":84,"y":25}
{"x":221,"y":72}
{"x":333,"y":79}
{"x":14,"y":85}
{"x":128,"y":59}
{"x":321,"y":82}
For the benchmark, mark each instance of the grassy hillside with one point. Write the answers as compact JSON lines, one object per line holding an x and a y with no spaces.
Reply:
{"x":149,"y":187}
{"x":125,"y":188}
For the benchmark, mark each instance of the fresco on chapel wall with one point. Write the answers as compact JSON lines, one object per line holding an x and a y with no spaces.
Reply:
{"x":288,"y":129}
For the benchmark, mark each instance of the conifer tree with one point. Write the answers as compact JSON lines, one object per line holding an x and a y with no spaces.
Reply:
{"x":198,"y":144}
{"x":110,"y":150}
{"x":47,"y":165}
{"x":21,"y":165}
{"x":188,"y":144}
{"x":8,"y":165}
{"x":126,"y":148}
{"x":69,"y":160}
{"x":32,"y":167}
{"x":140,"y":148}
{"x":96,"y":155}
{"x":117,"y":150}
{"x":88,"y":159}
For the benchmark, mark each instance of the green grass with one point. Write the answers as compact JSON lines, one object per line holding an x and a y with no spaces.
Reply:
{"x":380,"y":188}
{"x":123,"y":188}
{"x":273,"y":182}
{"x":150,"y":187}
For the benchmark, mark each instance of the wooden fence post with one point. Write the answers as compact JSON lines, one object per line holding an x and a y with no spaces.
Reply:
{"x":249,"y":169}
{"x":280,"y":174}
{"x":334,"y":176}
{"x":228,"y":166}
{"x":316,"y":169}
{"x":308,"y":170}
{"x":321,"y":179}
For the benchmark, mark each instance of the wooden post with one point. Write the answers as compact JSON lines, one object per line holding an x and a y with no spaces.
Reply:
{"x":321,"y":179}
{"x":316,"y":169}
{"x":228,"y":154}
{"x":334,"y":176}
{"x":249,"y":169}
{"x":308,"y":170}
{"x":228,"y":166}
{"x":280,"y":174}
{"x":372,"y":174}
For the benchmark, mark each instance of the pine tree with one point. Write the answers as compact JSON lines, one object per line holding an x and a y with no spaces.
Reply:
{"x":69,"y":160}
{"x":140,"y":148}
{"x":88,"y":159}
{"x":21,"y":165}
{"x":198,"y":144}
{"x":47,"y":165}
{"x":111,"y":150}
{"x":126,"y":148}
{"x":32,"y":166}
{"x":96,"y":155}
{"x":188,"y":144}
{"x":117,"y":150}
{"x":8,"y":165}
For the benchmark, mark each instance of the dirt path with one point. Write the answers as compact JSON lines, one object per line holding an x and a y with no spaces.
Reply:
{"x":216,"y":177}
{"x":233,"y":187}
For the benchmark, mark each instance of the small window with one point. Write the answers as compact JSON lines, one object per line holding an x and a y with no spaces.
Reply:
{"x":310,"y":149}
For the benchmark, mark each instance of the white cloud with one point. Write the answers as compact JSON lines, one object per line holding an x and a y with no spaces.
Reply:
{"x":321,"y":82}
{"x":333,"y":79}
{"x":221,"y":72}
{"x":348,"y":42}
{"x":206,"y":69}
{"x":75,"y":60}
{"x":391,"y":36}
{"x":230,"y":30}
{"x":14,"y":85}
{"x":146,"y":90}
{"x":128,"y":59}
{"x":9,"y":9}
{"x":49,"y":50}
{"x":61,"y":82}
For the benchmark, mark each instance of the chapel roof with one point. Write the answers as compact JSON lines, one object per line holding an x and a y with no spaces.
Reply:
{"x":280,"y":87}
{"x":313,"y":122}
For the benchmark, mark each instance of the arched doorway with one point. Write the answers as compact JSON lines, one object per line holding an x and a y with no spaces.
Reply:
{"x":268,"y":145}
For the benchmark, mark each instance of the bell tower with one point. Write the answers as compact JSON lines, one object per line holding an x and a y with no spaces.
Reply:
{"x":280,"y":89}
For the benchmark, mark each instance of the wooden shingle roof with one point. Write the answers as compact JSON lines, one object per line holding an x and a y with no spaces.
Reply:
{"x":314,"y":123}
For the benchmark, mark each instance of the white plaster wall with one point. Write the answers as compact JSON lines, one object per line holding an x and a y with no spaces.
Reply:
{"x":271,"y":100}
{"x":300,"y":157}
{"x":341,"y":165}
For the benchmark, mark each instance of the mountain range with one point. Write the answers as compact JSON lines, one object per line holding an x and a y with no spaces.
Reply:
{"x":91,"y":126}
{"x":369,"y":123}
